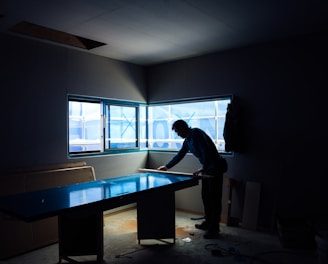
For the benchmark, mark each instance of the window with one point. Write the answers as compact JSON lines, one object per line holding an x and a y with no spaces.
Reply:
{"x":208,"y":115}
{"x":84,"y":126}
{"x":101,"y":126}
{"x":121,"y":127}
{"x":110,"y":126}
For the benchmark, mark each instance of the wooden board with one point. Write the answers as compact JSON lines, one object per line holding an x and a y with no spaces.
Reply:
{"x":251,"y":205}
{"x":166,"y":172}
{"x":174,"y":173}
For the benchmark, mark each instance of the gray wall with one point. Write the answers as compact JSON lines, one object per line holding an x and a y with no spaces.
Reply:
{"x":280,"y":87}
{"x":35,"y":81}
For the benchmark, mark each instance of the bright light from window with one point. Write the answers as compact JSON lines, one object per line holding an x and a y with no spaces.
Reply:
{"x":84,"y":126}
{"x":208,"y":116}
{"x":106,"y":125}
{"x":121,"y":127}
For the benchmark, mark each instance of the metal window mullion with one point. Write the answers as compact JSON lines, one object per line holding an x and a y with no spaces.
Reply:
{"x":216,"y":123}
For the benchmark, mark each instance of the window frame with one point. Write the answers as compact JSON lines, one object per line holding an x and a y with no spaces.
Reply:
{"x":110,"y":139}
{"x":103,"y":103}
{"x":141,"y":122}
{"x":186,"y":101}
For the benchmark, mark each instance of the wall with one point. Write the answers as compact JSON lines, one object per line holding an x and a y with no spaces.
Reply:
{"x":280,"y":87}
{"x":35,"y":80}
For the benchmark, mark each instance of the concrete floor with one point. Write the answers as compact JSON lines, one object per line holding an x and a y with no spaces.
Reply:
{"x":235,"y":245}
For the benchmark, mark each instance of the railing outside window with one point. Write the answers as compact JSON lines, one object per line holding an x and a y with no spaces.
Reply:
{"x":106,"y":126}
{"x":207,"y":115}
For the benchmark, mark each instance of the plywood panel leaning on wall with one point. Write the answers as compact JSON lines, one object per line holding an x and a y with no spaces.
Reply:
{"x":251,"y":205}
{"x":16,"y":236}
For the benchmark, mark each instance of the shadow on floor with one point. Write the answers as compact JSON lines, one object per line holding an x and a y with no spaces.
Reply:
{"x":234,"y":245}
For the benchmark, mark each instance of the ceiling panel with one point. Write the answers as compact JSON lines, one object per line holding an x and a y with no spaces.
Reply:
{"x":148,"y":32}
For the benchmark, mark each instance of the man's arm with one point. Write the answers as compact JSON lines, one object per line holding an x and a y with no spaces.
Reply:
{"x":179,"y":156}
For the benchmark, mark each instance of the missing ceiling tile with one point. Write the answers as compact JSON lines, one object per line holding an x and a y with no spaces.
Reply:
{"x":41,"y":32}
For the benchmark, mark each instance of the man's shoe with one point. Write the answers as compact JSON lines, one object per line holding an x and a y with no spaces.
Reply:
{"x":211,"y":235}
{"x":202,"y":226}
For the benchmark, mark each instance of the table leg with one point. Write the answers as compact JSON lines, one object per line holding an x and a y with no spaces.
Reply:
{"x":81,"y":234}
{"x":156,"y":216}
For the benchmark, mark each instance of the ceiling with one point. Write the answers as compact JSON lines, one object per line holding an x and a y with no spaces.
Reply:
{"x":148,"y":32}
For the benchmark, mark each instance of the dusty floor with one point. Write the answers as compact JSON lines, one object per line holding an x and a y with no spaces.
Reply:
{"x":235,"y":245}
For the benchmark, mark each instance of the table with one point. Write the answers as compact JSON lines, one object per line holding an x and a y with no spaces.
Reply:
{"x":80,"y":207}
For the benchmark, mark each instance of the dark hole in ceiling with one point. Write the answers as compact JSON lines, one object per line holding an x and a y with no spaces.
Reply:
{"x":41,"y":32}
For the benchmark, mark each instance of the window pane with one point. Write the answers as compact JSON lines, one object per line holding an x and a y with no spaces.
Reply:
{"x":121,"y":127}
{"x":159,"y":134}
{"x":200,"y":114}
{"x":207,"y":115}
{"x":84,"y":126}
{"x":131,"y":126}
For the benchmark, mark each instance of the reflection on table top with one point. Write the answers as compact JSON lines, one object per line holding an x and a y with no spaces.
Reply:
{"x":49,"y":202}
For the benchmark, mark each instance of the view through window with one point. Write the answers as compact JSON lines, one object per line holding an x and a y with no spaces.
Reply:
{"x":105,"y":126}
{"x":121,"y":127}
{"x":206,"y":115}
{"x":84,"y":126}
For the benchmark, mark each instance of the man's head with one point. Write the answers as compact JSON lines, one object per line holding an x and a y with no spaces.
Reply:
{"x":181,"y":128}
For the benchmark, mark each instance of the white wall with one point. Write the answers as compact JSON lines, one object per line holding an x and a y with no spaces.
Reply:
{"x":187,"y":199}
{"x":280,"y":87}
{"x":35,"y":80}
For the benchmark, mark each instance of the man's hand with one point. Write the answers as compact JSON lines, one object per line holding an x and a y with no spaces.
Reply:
{"x":162,"y":168}
{"x":198,"y":172}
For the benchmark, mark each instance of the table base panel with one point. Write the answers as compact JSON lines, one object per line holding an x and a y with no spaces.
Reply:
{"x":156,"y":216}
{"x":81,"y":234}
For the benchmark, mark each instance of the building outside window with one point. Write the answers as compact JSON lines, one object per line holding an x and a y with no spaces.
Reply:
{"x":84,"y":126}
{"x":207,"y":115}
{"x":107,"y":126}
{"x":121,"y":127}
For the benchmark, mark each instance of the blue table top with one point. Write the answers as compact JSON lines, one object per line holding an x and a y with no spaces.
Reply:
{"x":101,"y":193}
